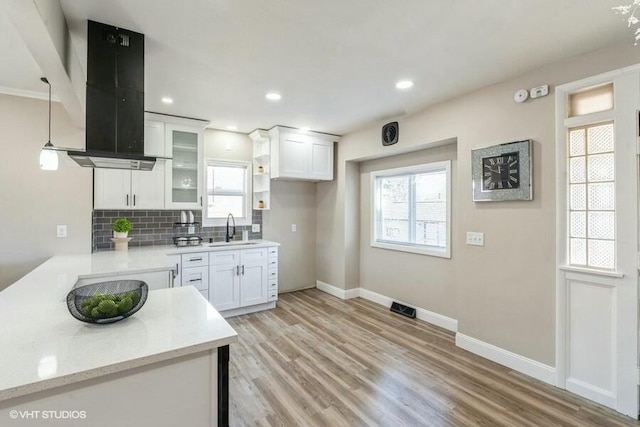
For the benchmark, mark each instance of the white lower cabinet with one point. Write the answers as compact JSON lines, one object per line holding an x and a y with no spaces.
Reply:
{"x":239,"y":278}
{"x":232,"y":279}
{"x":193,"y":270}
{"x":224,"y":280}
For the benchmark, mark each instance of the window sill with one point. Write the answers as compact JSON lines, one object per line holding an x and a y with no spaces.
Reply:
{"x":420,"y":250}
{"x":592,"y":271}
{"x":223,"y":222}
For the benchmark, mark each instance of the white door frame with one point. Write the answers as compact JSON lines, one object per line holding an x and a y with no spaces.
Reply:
{"x":619,"y":286}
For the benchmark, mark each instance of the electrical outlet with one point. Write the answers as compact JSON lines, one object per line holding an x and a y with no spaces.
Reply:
{"x":255,"y":228}
{"x":61,"y":231}
{"x":475,"y":239}
{"x":293,"y":228}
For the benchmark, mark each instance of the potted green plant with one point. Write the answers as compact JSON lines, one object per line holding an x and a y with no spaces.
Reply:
{"x":121,"y":228}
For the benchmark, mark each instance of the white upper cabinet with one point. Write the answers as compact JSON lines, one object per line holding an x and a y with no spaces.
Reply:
{"x":321,"y":160}
{"x":125,"y":189}
{"x":301,"y":155}
{"x":147,"y":188}
{"x":154,"y":144}
{"x":183,"y":174}
{"x":112,"y":189}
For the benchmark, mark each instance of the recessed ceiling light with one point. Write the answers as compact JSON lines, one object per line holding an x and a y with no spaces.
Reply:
{"x":231,"y":127}
{"x":272,"y":96}
{"x":167,"y":100}
{"x":404,"y":84}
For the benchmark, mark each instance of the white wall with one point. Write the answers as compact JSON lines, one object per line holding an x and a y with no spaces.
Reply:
{"x":505,"y":291}
{"x":35,"y":201}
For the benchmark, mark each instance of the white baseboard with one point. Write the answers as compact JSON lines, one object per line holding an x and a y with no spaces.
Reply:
{"x":597,"y":394}
{"x":506,"y":358}
{"x":337,"y":292}
{"x":421,"y":313}
{"x":428,"y":316}
{"x":249,"y":309}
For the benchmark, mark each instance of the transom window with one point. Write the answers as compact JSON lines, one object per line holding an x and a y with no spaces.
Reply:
{"x":228,"y":192}
{"x":592,"y":196}
{"x":412,"y":209}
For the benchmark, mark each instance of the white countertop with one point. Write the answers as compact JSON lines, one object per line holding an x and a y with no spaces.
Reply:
{"x":44,"y":347}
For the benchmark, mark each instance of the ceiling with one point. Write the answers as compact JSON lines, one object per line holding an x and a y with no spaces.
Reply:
{"x":335,"y":63}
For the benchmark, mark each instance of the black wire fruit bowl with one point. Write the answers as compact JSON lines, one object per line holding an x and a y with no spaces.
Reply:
{"x":107,"y":302}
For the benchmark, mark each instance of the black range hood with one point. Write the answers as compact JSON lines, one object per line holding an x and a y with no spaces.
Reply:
{"x":115,"y":100}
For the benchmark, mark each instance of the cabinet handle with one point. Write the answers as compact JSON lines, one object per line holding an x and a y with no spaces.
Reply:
{"x":273,"y":274}
{"x":200,"y":201}
{"x":243,"y":270}
{"x":127,"y":200}
{"x":273,"y":262}
{"x":134,"y":200}
{"x":195,"y":259}
{"x":195,"y":280}
{"x":237,"y":270}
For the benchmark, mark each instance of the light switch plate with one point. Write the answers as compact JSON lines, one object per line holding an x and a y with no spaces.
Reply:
{"x":475,"y":238}
{"x":293,"y":228}
{"x":255,"y":228}
{"x":61,"y":231}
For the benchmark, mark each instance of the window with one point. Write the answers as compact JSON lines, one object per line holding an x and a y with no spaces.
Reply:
{"x":228,"y":190}
{"x":411,"y":209}
{"x":592,"y":196}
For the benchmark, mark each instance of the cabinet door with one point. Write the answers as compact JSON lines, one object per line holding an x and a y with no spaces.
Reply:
{"x":293,"y":157}
{"x":147,"y":188}
{"x":112,"y":189}
{"x":183,"y":174}
{"x":224,"y":286}
{"x":321,"y":160}
{"x":253,"y":283}
{"x":154,"y":138}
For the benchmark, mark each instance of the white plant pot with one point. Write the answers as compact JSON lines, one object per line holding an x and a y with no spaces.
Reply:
{"x":119,"y":235}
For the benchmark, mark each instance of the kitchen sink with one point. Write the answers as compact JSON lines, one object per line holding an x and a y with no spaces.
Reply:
{"x":218,"y":244}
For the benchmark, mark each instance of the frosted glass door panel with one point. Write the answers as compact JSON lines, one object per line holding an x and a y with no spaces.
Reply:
{"x":185,"y":167}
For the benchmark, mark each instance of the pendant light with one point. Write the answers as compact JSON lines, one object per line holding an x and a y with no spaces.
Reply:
{"x":48,"y":158}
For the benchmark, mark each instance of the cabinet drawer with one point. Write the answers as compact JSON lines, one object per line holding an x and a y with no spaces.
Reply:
{"x":224,"y":258}
{"x":272,"y":296}
{"x":273,"y":285}
{"x":273,"y":252}
{"x":253,"y":255}
{"x":272,"y":274}
{"x":199,"y":259}
{"x":196,"y":276}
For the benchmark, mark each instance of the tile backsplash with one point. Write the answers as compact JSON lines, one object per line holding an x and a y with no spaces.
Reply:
{"x":155,"y":227}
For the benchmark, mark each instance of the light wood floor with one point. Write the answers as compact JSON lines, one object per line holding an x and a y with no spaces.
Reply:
{"x":319,"y":361}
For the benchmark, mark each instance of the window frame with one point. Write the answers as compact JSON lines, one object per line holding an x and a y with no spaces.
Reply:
{"x":375,"y":205}
{"x":248,"y":211}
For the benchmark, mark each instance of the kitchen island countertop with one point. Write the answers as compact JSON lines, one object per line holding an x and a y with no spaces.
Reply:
{"x":44,"y":347}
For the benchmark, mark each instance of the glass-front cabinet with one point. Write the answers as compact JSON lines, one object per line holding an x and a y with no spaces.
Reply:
{"x":183,"y":174}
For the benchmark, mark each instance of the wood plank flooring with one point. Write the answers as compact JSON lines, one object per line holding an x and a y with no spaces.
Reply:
{"x":319,"y":361}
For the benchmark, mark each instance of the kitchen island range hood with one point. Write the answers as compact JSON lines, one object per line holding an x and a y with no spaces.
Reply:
{"x":115,"y":100}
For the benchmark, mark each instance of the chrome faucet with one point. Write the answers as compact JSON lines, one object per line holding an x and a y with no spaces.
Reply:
{"x":228,"y":236}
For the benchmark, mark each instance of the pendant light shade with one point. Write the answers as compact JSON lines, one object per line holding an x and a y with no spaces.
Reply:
{"x":48,"y":157}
